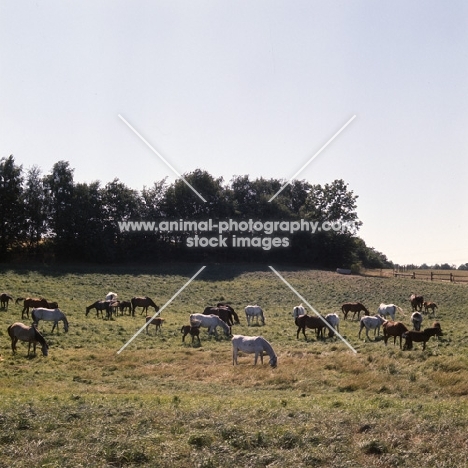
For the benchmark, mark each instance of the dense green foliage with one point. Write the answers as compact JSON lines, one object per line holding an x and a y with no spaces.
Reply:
{"x":165,"y":403}
{"x":52,"y":216}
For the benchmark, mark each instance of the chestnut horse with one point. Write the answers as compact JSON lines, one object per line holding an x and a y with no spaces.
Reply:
{"x":355,"y":307}
{"x":144,"y":302}
{"x":31,"y":302}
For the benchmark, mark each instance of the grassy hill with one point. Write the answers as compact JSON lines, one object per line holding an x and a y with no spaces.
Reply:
{"x":161,"y":402}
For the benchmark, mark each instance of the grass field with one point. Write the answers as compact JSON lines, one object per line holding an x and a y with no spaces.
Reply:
{"x":165,"y":403}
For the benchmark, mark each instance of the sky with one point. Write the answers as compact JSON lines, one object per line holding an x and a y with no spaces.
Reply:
{"x":253,"y":88}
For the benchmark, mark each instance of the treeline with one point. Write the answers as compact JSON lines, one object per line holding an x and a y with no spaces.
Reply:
{"x":50,"y":216}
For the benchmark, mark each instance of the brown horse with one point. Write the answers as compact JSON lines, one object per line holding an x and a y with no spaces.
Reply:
{"x":223,"y":312}
{"x":395,"y":329}
{"x":20,"y":331}
{"x":192,"y":330}
{"x":157,"y":321}
{"x":33,"y":302}
{"x":235,"y":317}
{"x":306,"y":321}
{"x":144,"y":302}
{"x":429,"y":305}
{"x":4,"y":299}
{"x":416,"y":302}
{"x":100,"y":306}
{"x":421,"y":336}
{"x":355,"y":307}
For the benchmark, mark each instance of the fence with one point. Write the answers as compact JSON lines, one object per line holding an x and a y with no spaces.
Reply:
{"x":431,"y":276}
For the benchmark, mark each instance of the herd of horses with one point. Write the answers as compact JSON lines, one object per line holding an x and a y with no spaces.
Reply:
{"x":224,"y":316}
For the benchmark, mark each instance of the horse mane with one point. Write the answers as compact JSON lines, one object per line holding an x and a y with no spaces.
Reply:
{"x":39,"y":337}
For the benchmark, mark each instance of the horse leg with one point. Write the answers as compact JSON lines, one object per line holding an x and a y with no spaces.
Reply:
{"x":14,"y":340}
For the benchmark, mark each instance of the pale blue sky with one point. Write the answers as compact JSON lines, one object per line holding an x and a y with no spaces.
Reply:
{"x":254,"y":88}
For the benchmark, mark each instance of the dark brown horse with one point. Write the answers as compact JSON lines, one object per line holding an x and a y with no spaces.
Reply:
{"x":33,"y":302}
{"x":144,"y":302}
{"x":4,"y":299}
{"x":416,"y":302}
{"x":421,"y":336}
{"x":355,"y":307}
{"x":233,"y":313}
{"x":193,"y":331}
{"x":100,"y":306}
{"x":224,"y":313}
{"x":306,"y":321}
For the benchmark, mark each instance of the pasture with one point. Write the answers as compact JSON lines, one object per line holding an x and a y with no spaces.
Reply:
{"x":167,"y":403}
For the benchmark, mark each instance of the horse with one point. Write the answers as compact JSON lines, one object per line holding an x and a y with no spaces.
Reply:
{"x":371,"y":323}
{"x":20,"y":331}
{"x":254,"y":311}
{"x":111,"y":296}
{"x":306,"y":321}
{"x":193,"y":331}
{"x":298,"y":310}
{"x":31,"y":302}
{"x":99,"y":306}
{"x":355,"y":308}
{"x":233,"y":313}
{"x":416,"y":302}
{"x":421,"y":336}
{"x":395,"y":329}
{"x":250,"y":345}
{"x":222,"y":312}
{"x":429,"y":305}
{"x":144,"y":302}
{"x":123,"y":305}
{"x":388,"y":310}
{"x":416,"y":320}
{"x":211,"y":322}
{"x":158,"y":322}
{"x":51,"y":315}
{"x":334,"y":321}
{"x":4,"y":299}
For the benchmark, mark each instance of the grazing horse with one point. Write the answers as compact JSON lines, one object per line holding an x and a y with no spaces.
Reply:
{"x":157,"y":321}
{"x":20,"y":331}
{"x":416,"y":302}
{"x":4,"y":299}
{"x":421,"y":336}
{"x":355,"y":308}
{"x":416,"y":320}
{"x":51,"y":315}
{"x":193,"y":331}
{"x":395,"y":329}
{"x":252,"y":311}
{"x":222,"y":312}
{"x":123,"y":305}
{"x":306,"y":321}
{"x":211,"y":322}
{"x":250,"y":345}
{"x":31,"y":302}
{"x":99,"y":306}
{"x":143,"y":302}
{"x":233,"y":313}
{"x":429,"y":305}
{"x":371,"y":323}
{"x":388,"y":310}
{"x":334,"y":321}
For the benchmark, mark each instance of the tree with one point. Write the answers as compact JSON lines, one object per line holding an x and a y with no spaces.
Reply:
{"x":35,"y":201}
{"x":11,"y":205}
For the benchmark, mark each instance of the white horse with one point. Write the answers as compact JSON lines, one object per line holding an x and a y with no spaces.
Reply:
{"x":334,"y":321}
{"x":298,"y":310}
{"x":254,"y":311}
{"x":111,"y":296}
{"x":388,"y":310}
{"x":371,"y":323}
{"x":250,"y":345}
{"x":51,"y":315}
{"x":209,"y":321}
